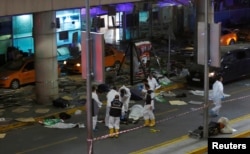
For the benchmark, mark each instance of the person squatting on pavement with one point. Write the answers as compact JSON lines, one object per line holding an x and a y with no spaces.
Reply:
{"x":218,"y":95}
{"x":114,"y":116}
{"x":110,"y":97}
{"x":148,"y":115}
{"x":96,"y":105}
{"x":125,"y":96}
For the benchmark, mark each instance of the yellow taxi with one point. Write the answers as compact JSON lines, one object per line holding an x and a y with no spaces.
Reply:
{"x":228,"y":37}
{"x":113,"y":58}
{"x":18,"y":72}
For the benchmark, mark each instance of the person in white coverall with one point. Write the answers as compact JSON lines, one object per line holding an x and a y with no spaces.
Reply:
{"x":218,"y":95}
{"x":97,"y":104}
{"x":115,"y":115}
{"x":110,"y":97}
{"x":152,"y":82}
{"x":148,"y":115}
{"x":153,"y":85}
{"x":125,"y":96}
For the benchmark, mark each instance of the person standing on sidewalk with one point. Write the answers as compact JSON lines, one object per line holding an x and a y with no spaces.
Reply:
{"x":153,"y":85}
{"x":148,"y":114}
{"x":152,"y":82}
{"x":96,"y":105}
{"x":114,"y":116}
{"x":110,"y":97}
{"x":218,"y":95}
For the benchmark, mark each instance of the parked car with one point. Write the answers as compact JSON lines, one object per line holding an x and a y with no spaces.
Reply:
{"x":18,"y":72}
{"x":113,"y":59}
{"x":228,"y":36}
{"x":244,"y":34}
{"x":63,"y":53}
{"x":235,"y":64}
{"x":187,"y":51}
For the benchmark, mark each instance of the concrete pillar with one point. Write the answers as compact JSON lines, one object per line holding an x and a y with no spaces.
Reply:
{"x":201,"y":11}
{"x":46,"y":64}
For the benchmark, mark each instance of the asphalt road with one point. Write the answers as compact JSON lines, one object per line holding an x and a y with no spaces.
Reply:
{"x":173,"y":121}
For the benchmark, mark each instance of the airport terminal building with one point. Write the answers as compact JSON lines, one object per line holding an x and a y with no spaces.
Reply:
{"x":41,"y":27}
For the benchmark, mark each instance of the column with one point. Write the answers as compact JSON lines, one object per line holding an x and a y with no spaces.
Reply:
{"x":46,"y":64}
{"x":201,"y":12}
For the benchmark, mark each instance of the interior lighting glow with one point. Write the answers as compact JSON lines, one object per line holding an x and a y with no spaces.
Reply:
{"x":173,"y":2}
{"x":94,"y":11}
{"x":25,"y":17}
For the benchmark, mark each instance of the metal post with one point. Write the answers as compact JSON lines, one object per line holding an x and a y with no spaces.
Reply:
{"x":169,"y":50}
{"x":88,"y":84}
{"x":206,"y":70}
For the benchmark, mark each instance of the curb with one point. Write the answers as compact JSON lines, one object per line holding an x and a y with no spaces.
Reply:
{"x":203,"y":150}
{"x":244,"y":134}
{"x":190,"y":147}
{"x":170,"y":87}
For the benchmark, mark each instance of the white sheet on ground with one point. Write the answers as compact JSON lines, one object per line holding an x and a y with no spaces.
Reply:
{"x":201,"y":93}
{"x":177,"y":102}
{"x":195,"y":102}
{"x":62,"y":125}
{"x":136,"y":112}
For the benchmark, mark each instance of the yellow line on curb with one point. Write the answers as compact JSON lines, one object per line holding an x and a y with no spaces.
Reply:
{"x":203,"y":150}
{"x":242,"y":135}
{"x":200,"y":150}
{"x":163,"y":144}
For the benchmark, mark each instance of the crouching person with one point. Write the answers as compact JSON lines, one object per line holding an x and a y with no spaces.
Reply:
{"x":114,"y":116}
{"x":225,"y":127}
{"x":148,"y":114}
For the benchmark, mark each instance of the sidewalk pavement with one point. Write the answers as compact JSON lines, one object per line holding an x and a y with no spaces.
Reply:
{"x":27,"y":114}
{"x":187,"y":145}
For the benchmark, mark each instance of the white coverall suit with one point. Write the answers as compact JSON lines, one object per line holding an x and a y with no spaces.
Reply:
{"x":110,"y":97}
{"x":99,"y":103}
{"x":125,"y":99}
{"x":218,"y":94}
{"x":148,"y":113}
{"x":153,"y":84}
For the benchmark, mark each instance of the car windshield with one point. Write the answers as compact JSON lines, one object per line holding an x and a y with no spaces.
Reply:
{"x":13,"y":65}
{"x":224,"y":32}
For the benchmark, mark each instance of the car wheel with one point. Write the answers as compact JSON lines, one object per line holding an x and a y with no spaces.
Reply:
{"x":117,"y":65}
{"x":231,"y":42}
{"x":15,"y":84}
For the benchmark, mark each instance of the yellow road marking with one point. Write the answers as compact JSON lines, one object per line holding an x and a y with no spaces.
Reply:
{"x":162,"y":113}
{"x":241,"y":90}
{"x":48,"y":145}
{"x":164,"y":144}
